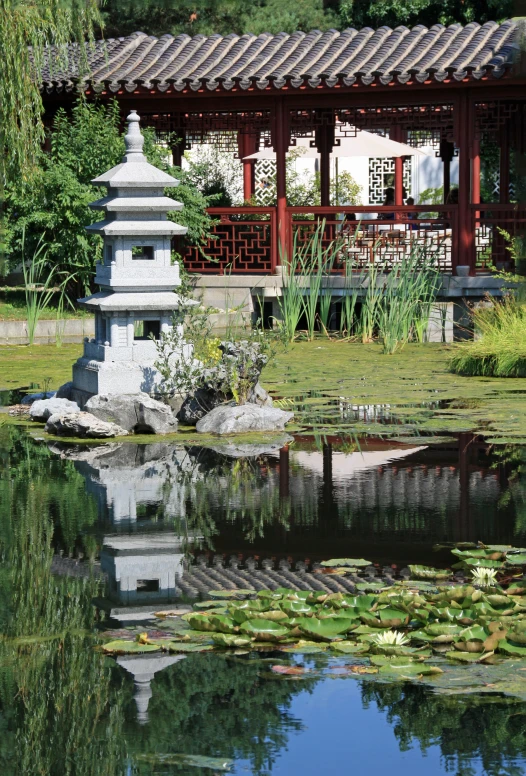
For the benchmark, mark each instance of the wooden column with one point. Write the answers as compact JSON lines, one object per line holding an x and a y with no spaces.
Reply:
{"x":248,"y":144}
{"x":447,"y":151}
{"x":178,"y":149}
{"x":465,"y":133}
{"x":504,"y":166}
{"x":280,"y":141}
{"x":396,"y":133}
{"x":475,"y":171}
{"x":324,"y":138}
{"x":284,"y":465}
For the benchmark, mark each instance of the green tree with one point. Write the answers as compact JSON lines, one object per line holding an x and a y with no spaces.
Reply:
{"x":375,"y":13}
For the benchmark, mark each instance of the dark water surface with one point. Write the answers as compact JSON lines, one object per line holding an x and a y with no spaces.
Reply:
{"x":132,"y":527}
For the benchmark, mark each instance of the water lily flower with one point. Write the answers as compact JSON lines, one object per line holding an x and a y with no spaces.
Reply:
{"x":484,"y":577}
{"x":390,"y":638}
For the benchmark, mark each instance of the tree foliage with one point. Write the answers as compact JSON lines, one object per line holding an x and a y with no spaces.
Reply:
{"x":207,"y":17}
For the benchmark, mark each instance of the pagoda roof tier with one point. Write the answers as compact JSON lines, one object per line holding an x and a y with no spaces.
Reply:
{"x":121,"y":227}
{"x":143,"y":301}
{"x":299,"y":60}
{"x":113,"y":204}
{"x":134,"y":174}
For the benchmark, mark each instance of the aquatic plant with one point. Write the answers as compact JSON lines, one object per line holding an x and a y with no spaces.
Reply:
{"x":390,"y":638}
{"x":484,"y":577}
{"x":500,"y":350}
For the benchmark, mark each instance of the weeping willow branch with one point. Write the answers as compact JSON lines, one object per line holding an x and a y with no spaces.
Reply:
{"x":32,"y":33}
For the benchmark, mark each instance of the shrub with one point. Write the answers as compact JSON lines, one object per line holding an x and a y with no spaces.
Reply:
{"x":501,"y":349}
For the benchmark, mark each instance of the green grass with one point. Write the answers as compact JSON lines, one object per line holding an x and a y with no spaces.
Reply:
{"x":501,"y":349}
{"x":317,"y":378}
{"x":13,"y":306}
{"x":25,"y":365}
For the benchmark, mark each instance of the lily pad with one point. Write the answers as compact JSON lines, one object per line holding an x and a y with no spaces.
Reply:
{"x":264,"y":630}
{"x":128,"y":647}
{"x":327,"y":629}
{"x":230,"y":640}
{"x":231,"y":594}
{"x":427,"y":572}
{"x":335,"y":562}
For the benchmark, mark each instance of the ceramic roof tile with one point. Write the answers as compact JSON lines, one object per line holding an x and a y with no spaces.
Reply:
{"x":314,"y":57}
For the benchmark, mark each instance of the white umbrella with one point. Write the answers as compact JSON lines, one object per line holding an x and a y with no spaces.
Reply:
{"x":364,"y":144}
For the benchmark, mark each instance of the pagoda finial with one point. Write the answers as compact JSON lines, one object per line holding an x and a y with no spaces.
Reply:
{"x":133,"y":139}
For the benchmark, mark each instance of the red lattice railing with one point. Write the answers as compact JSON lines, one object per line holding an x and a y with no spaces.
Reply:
{"x":243,"y":241}
{"x":364,"y":233}
{"x":491,"y":245}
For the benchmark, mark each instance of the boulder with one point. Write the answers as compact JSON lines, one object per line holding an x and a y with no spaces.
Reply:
{"x":42,"y":409}
{"x":249,"y":450}
{"x":31,"y":398}
{"x":243,"y":419}
{"x":84,"y":425}
{"x":200,"y":403}
{"x":135,"y":412}
{"x":258,"y":395}
{"x":64,"y":392}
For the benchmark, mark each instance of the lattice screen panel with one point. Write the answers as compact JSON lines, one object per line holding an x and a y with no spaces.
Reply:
{"x":381,"y":177}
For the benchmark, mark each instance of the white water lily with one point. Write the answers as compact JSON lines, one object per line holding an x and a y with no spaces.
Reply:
{"x":390,"y":638}
{"x":484,"y":577}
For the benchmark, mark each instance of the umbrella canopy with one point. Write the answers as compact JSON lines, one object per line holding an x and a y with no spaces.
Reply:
{"x":364,"y":144}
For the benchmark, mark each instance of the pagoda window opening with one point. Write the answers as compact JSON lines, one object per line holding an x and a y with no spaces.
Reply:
{"x":142,"y":252}
{"x":147,"y":585}
{"x":144,"y":330}
{"x":109,"y":254}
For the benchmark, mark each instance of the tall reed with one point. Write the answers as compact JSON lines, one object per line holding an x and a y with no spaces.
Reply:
{"x":408,"y":292}
{"x":38,"y":290}
{"x":291,"y":300}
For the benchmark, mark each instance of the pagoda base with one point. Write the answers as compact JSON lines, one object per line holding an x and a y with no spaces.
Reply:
{"x":92,"y":377}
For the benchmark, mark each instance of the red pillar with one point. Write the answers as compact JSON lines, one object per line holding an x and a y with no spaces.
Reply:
{"x":324,"y":144}
{"x":504,"y":166}
{"x":465,"y":131}
{"x":475,"y":171}
{"x":396,"y":133}
{"x":247,"y":144}
{"x":280,"y":141}
{"x":447,"y":150}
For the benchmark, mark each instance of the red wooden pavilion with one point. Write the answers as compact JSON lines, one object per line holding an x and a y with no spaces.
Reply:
{"x":461,"y":88}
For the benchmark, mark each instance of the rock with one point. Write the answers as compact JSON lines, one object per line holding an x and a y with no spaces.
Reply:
{"x":64,"y":392}
{"x":243,"y":419}
{"x":200,"y":403}
{"x":136,"y":412}
{"x":84,"y":425}
{"x":42,"y":409}
{"x":248,"y":450}
{"x":31,"y":398}
{"x":258,"y":395}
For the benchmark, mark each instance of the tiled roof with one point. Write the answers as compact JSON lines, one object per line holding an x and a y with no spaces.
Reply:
{"x":308,"y":59}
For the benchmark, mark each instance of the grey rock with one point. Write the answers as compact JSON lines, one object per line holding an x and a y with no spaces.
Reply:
{"x":64,"y":392}
{"x":136,"y":412}
{"x":200,"y":403}
{"x":84,"y":425}
{"x":42,"y":409}
{"x":258,"y":395}
{"x":243,"y":419}
{"x":31,"y":398}
{"x":233,"y":450}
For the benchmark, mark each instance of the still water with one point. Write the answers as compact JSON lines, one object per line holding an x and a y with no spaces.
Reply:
{"x":131,"y":527}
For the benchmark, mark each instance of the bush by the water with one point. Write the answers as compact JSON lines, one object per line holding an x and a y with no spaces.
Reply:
{"x":501,"y":349}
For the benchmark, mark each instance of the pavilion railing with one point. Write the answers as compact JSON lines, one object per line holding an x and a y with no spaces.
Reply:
{"x":494,"y":227}
{"x":243,"y":242}
{"x":385,"y":235}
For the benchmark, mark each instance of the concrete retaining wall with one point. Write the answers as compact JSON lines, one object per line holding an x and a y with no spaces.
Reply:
{"x":47,"y":332}
{"x":240,"y":298}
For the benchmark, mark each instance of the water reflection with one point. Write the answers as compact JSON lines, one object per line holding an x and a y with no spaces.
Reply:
{"x":172,"y":515}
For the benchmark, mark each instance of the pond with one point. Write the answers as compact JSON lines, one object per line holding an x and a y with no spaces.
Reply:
{"x":97,"y":539}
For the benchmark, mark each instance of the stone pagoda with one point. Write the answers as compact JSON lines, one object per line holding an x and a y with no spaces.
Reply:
{"x":137,"y":278}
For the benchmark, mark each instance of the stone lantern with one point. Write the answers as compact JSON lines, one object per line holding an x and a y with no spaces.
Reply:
{"x":137,"y":278}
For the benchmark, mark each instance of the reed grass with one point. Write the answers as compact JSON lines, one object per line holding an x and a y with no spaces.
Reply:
{"x":501,"y":349}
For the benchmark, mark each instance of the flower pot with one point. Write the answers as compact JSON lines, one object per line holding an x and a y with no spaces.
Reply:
{"x":463,"y":270}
